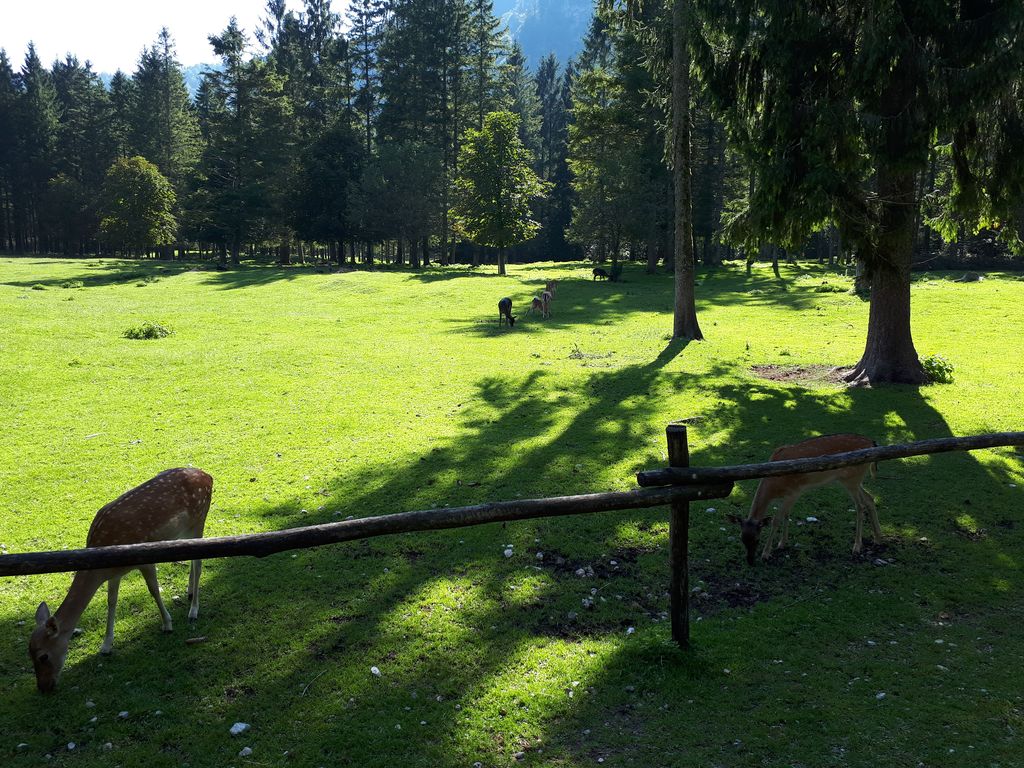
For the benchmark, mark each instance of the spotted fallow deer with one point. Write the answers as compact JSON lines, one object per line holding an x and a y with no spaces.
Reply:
{"x":551,"y":286}
{"x":788,"y":488}
{"x":172,"y":505}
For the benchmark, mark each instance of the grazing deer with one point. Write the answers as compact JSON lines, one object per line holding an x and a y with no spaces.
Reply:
{"x":537,"y":305}
{"x":789,"y":488}
{"x":505,"y":312}
{"x":550,"y":287}
{"x":546,"y":298}
{"x":173,"y":505}
{"x":598,"y":272}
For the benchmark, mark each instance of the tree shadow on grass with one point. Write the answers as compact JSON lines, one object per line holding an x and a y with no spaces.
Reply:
{"x":925,"y":568}
{"x":299,"y":635}
{"x":105,"y":273}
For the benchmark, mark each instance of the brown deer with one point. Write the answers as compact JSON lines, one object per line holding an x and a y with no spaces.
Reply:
{"x":789,"y":488}
{"x":546,"y":298}
{"x":505,"y":312}
{"x":536,"y":305}
{"x":172,"y":505}
{"x":550,"y":287}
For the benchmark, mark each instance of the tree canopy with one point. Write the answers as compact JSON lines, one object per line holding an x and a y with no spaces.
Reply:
{"x":496,"y":186}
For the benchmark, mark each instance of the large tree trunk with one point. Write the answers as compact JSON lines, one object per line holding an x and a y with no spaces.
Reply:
{"x":889,"y":355}
{"x":501,"y":261}
{"x":684,"y":323}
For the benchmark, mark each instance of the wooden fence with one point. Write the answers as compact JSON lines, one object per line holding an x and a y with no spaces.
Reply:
{"x":676,"y":486}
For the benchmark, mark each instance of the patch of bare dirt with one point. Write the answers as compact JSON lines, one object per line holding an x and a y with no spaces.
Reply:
{"x":802,"y":374}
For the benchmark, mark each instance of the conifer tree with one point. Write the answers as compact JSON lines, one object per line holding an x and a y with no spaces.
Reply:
{"x":519,"y":96}
{"x":35,"y":164}
{"x":838,"y":129}
{"x":8,"y":146}
{"x":165,"y":130}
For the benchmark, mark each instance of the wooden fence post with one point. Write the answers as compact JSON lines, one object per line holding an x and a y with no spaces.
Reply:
{"x":678,"y":541}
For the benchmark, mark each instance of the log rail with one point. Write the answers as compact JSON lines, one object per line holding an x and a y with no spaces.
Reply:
{"x":701,"y":475}
{"x":306,"y":537}
{"x":676,"y":485}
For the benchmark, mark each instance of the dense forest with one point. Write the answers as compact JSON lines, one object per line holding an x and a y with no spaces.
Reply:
{"x":342,"y":138}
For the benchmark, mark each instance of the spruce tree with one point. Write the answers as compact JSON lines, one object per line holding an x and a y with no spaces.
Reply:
{"x":519,"y":96}
{"x":838,"y":126}
{"x":165,"y":130}
{"x":8,"y":147}
{"x":37,"y":120}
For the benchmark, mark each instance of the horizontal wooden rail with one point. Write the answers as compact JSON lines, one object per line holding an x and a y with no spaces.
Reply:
{"x":702,"y":476}
{"x":262,"y":544}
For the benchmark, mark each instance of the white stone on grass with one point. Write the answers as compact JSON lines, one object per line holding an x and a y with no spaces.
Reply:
{"x":246,"y":751}
{"x":508,"y":552}
{"x":238,"y":728}
{"x":375,"y":671}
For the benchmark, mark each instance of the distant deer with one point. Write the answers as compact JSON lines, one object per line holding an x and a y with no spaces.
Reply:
{"x":172,"y":505}
{"x":505,"y":312}
{"x":537,"y":305}
{"x":550,"y":287}
{"x":789,"y":488}
{"x":546,"y":298}
{"x":600,"y":273}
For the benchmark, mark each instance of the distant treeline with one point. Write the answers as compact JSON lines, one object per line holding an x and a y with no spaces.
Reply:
{"x":345,"y":145}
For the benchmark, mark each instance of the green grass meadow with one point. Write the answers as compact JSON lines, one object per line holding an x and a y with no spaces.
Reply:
{"x":311,"y":396}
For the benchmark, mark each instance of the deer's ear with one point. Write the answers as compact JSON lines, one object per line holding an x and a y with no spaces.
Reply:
{"x":42,"y":613}
{"x":763,"y":522}
{"x":52,"y":628}
{"x":734,"y":518}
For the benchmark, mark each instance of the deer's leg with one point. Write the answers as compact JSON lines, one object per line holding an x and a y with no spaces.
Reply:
{"x":149,"y":574}
{"x":193,"y":578}
{"x":766,"y":551}
{"x":784,"y":514}
{"x":108,"y":640}
{"x":858,"y":501}
{"x":869,"y":503}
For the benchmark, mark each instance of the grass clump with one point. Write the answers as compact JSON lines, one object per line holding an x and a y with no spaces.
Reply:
{"x":38,"y":287}
{"x":72,"y":284}
{"x":827,"y":287}
{"x":938,"y":369}
{"x":147,"y":330}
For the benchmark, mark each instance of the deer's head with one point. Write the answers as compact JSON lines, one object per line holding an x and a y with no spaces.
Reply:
{"x":47,"y":647}
{"x":750,"y":532}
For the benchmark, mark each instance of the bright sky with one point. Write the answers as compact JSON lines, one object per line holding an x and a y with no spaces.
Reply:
{"x":112,"y":33}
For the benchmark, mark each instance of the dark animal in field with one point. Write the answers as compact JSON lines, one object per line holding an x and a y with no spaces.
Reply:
{"x":505,"y":312}
{"x":600,"y":273}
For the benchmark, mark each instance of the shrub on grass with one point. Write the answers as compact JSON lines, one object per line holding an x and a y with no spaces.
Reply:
{"x":38,"y":287}
{"x":938,"y":369}
{"x":72,"y":284}
{"x":147,"y":330}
